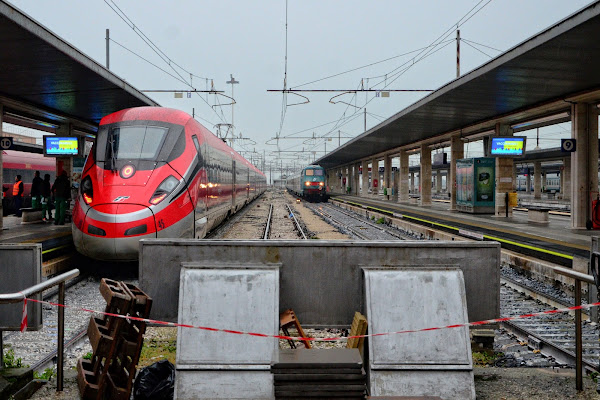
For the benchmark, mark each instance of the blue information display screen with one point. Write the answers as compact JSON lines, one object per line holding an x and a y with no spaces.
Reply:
{"x":508,"y":146}
{"x":61,"y":146}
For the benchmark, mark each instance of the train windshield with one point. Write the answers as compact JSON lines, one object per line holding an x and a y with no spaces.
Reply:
{"x":314,"y":172}
{"x":136,"y":142}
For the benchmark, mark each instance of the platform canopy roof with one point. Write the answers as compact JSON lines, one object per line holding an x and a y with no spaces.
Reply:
{"x":43,"y":76}
{"x":550,"y":67}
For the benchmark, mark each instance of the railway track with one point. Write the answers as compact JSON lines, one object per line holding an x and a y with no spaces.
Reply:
{"x":357,"y":226}
{"x":552,"y":334}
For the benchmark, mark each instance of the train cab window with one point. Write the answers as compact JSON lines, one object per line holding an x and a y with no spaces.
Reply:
{"x":318,"y":172}
{"x":137,"y":142}
{"x":310,"y":172}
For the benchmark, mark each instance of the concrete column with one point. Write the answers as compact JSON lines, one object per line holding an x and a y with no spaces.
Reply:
{"x":528,"y":182}
{"x":374,"y":175}
{"x":504,"y":177}
{"x":403,"y":176}
{"x":514,"y":176}
{"x":457,"y":151}
{"x":412,"y":182}
{"x":566,"y":179}
{"x":356,"y":182}
{"x":584,"y":163}
{"x":387,"y":175}
{"x":365,"y":179}
{"x":1,"y":186}
{"x":537,"y":180}
{"x":397,"y":182}
{"x":438,"y":181}
{"x":425,"y":176}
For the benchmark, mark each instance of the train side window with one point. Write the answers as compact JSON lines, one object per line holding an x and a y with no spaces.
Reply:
{"x":196,"y":143}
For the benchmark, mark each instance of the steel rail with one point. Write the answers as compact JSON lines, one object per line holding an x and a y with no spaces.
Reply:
{"x":296,"y":223}
{"x":268,"y":225}
{"x":17,"y":297}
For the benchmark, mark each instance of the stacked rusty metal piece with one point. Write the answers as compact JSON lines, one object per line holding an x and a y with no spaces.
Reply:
{"x":116,"y":343}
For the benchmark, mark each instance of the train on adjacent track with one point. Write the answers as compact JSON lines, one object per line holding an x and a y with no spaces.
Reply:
{"x":550,"y":183}
{"x":25,"y":164}
{"x":157,"y":173}
{"x":309,"y":184}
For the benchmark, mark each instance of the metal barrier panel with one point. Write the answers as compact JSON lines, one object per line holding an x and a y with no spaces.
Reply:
{"x":20,"y":268}
{"x":415,"y":363}
{"x":219,"y":365}
{"x":321,"y":280}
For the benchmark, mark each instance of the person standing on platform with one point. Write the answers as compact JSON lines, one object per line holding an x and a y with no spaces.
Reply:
{"x":62,"y":193}
{"x":36,"y":191}
{"x":18,"y":195}
{"x":46,"y":194}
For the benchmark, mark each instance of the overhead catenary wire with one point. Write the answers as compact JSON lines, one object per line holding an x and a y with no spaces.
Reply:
{"x":358,"y":68}
{"x":157,"y":50}
{"x":481,"y":51}
{"x":429,"y":50}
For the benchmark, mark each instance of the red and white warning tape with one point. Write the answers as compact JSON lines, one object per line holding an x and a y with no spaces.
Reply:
{"x":329,"y":339}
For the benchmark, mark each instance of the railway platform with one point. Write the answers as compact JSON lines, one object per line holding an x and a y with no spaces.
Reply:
{"x":56,"y":240}
{"x":552,"y":241}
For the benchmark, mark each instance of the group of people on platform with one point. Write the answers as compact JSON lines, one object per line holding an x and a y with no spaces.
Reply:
{"x":42,"y":194}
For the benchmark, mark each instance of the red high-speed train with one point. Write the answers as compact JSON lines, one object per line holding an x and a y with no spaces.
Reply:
{"x":25,"y":164}
{"x":156,"y":173}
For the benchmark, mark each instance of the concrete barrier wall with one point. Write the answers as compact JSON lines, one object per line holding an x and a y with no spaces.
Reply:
{"x":20,"y":268}
{"x":321,"y":280}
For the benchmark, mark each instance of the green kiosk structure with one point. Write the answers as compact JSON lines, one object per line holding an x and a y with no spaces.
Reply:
{"x":475,"y":185}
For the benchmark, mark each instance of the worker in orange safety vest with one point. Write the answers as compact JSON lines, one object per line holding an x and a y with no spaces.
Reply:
{"x":18,"y":195}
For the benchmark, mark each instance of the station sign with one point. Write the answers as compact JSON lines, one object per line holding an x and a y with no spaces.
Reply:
{"x":6,"y":143}
{"x":568,"y":145}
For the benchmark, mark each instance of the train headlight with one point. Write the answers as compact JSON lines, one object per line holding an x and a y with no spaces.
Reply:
{"x":127,"y":171}
{"x":87,"y":190}
{"x":321,"y":183}
{"x":307,"y":183}
{"x":164,"y":189}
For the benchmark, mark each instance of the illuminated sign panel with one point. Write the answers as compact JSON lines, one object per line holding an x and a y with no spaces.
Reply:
{"x":511,"y":146}
{"x":57,"y":146}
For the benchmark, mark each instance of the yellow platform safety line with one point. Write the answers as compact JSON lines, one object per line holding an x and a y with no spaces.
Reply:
{"x":55,"y":248}
{"x":554,"y":253}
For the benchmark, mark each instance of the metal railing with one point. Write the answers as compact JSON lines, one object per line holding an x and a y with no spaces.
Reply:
{"x":578,"y":277}
{"x":33,"y":290}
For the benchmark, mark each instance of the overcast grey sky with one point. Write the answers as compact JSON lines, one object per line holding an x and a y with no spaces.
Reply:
{"x":213,"y":39}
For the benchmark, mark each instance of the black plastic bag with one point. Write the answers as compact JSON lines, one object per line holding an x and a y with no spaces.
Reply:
{"x":155,"y":382}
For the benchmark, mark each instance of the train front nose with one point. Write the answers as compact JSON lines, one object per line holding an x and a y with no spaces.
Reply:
{"x":112,"y":231}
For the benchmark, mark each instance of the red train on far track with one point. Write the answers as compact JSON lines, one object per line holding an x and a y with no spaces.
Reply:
{"x":156,"y":173}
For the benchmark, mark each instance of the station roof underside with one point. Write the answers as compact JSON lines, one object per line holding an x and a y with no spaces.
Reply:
{"x":43,"y":76}
{"x":547,"y":69}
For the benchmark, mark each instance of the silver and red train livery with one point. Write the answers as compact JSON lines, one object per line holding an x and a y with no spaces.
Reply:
{"x":156,"y":173}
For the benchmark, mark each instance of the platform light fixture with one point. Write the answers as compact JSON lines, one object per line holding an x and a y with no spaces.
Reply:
{"x":543,"y":121}
{"x":29,"y":122}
